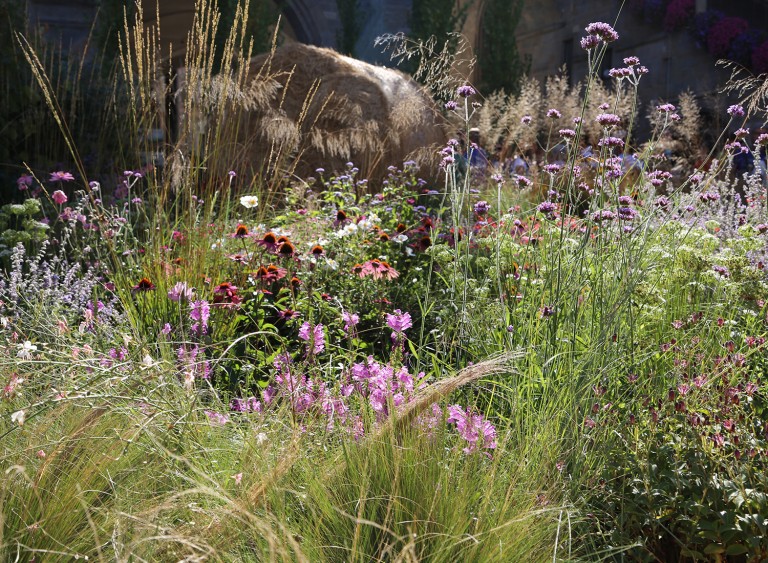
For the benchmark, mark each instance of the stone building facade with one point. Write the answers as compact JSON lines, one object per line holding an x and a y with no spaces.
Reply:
{"x":548,"y":33}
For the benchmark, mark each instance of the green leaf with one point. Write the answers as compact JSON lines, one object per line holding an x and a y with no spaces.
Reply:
{"x":714,"y":548}
{"x":736,"y":549}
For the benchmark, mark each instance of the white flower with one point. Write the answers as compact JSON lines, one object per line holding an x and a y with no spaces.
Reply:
{"x":19,"y":417}
{"x":26,"y":350}
{"x":249,"y":201}
{"x":147,"y":361}
{"x":332,"y":264}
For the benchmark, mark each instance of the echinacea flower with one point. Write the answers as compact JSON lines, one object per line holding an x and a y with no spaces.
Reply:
{"x":286,"y":249}
{"x":288,"y":314}
{"x":268,"y":241}
{"x":225,"y":295}
{"x":145,"y":284}
{"x":241,"y":231}
{"x":269,"y":274}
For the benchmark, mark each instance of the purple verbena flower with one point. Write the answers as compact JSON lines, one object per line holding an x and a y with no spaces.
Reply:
{"x":589,"y":42}
{"x":465,"y":91}
{"x":604,"y":31}
{"x":547,"y":207}
{"x":611,"y":142}
{"x":608,"y":119}
{"x":482,"y":207}
{"x":736,"y":111}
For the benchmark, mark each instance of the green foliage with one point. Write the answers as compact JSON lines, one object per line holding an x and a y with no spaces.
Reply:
{"x":351,"y":26}
{"x":500,"y":65}
{"x":432,"y":18}
{"x":262,"y":19}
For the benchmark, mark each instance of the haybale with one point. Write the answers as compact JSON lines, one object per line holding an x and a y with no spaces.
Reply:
{"x":333,"y":109}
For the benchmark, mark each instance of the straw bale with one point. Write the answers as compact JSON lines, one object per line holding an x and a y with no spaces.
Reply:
{"x":332,"y":109}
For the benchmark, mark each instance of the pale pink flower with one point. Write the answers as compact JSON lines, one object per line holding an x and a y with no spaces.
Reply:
{"x":59,"y":197}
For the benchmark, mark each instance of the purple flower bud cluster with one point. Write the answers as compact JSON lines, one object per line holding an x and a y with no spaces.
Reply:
{"x":465,"y":91}
{"x":598,"y":32}
{"x":482,"y":208}
{"x":608,"y":119}
{"x":611,"y":142}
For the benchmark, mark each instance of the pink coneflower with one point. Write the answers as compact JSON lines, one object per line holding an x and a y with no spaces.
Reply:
{"x":376,"y":269}
{"x":60,"y":176}
{"x":239,"y":258}
{"x":285,"y":248}
{"x":268,"y":241}
{"x":144,"y":285}
{"x":225,"y":295}
{"x":341,"y":218}
{"x":241,"y":231}
{"x":269,"y":274}
{"x":288,"y":314}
